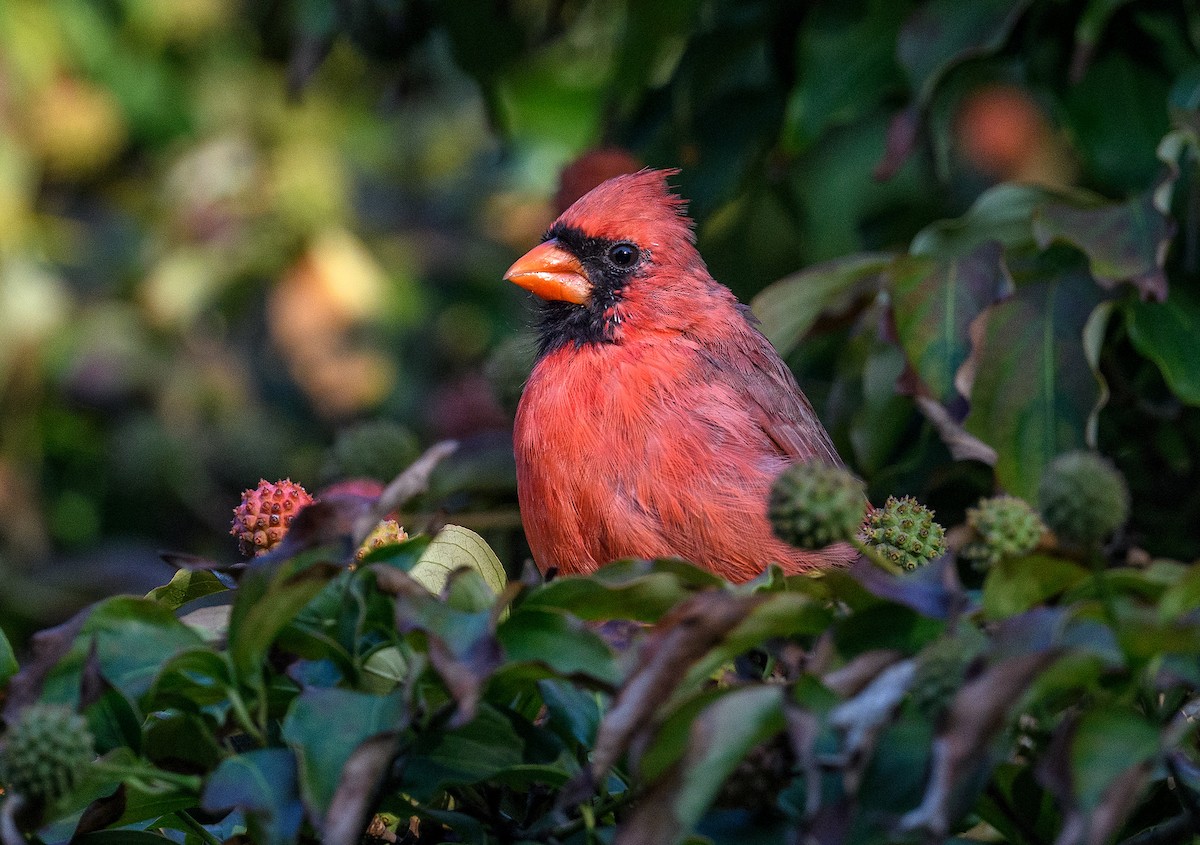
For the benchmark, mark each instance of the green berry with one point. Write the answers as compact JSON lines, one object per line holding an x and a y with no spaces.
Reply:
{"x":904,"y":532}
{"x":45,"y":752}
{"x":1083,"y":498}
{"x":380,"y":450}
{"x":1002,"y":527}
{"x":813,"y":505}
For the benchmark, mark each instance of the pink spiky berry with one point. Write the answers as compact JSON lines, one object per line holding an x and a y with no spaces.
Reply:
{"x":265,"y":513}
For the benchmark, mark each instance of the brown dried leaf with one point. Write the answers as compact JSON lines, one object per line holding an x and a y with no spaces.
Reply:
{"x":864,"y":717}
{"x":976,"y":715}
{"x":48,"y":648}
{"x":963,"y":446}
{"x":362,"y":776}
{"x":852,"y":678}
{"x":681,"y":638}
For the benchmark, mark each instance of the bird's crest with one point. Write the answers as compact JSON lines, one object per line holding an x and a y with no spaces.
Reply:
{"x":640,"y":207}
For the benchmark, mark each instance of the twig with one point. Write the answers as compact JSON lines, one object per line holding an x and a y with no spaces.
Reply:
{"x":403,"y":487}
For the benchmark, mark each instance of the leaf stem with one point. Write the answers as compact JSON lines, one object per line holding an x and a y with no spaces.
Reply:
{"x":195,"y":827}
{"x":147,"y":773}
{"x":873,"y":555}
{"x":242,"y":714}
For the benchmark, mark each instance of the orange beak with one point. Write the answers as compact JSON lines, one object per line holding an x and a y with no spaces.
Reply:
{"x":551,"y":272}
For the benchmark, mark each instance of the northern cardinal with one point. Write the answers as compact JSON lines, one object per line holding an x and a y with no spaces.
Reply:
{"x":656,"y":416}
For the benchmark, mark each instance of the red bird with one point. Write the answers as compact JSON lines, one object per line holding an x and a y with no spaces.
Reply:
{"x":657,"y":416}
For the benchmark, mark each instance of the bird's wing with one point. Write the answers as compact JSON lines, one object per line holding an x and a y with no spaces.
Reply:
{"x":775,"y":401}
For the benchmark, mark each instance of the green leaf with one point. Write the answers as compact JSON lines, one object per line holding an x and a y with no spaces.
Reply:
{"x":1034,"y":391}
{"x":269,"y":598}
{"x":651,"y":32}
{"x":574,"y":713}
{"x":720,"y":738}
{"x":185,"y":586}
{"x":934,"y":303}
{"x":943,"y":33}
{"x":1115,"y":116}
{"x":8,"y":660}
{"x":454,"y":548}
{"x":384,"y":670}
{"x":1107,"y":741}
{"x":558,"y":641}
{"x":1124,"y":242}
{"x":1015,"y":585}
{"x":789,"y":307}
{"x":133,"y":638}
{"x":476,"y":751}
{"x":782,"y":615}
{"x":324,"y":726}
{"x":628,"y":589}
{"x":1166,"y":333}
{"x":1003,"y":213}
{"x":845,"y":66}
{"x":263,"y":785}
{"x":198,"y":676}
{"x":1181,"y":597}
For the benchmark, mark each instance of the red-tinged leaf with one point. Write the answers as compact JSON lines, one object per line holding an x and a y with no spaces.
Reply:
{"x":323,"y":748}
{"x":1124,"y":242}
{"x":679,"y":640}
{"x":862,"y":718}
{"x":357,"y":789}
{"x":1097,"y":778}
{"x":961,"y":445}
{"x":901,"y":140}
{"x":462,"y":644}
{"x":934,"y":301}
{"x":48,"y":648}
{"x":932,"y":590}
{"x":975,"y":717}
{"x":718,"y":740}
{"x":1034,"y":391}
{"x":850,"y":679}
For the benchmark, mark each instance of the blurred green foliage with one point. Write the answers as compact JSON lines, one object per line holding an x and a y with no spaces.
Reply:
{"x":230,"y":231}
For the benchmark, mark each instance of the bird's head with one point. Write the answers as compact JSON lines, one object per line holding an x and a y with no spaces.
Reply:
{"x":626,"y":238}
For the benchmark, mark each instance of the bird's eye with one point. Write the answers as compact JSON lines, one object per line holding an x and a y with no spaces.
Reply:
{"x":623,"y":255}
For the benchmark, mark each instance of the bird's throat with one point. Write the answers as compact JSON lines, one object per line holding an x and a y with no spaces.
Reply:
{"x":564,"y":323}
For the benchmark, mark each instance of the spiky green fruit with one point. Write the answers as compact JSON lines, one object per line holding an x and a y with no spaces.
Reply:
{"x":813,"y":505}
{"x":1083,"y":498}
{"x":1002,"y":527}
{"x":265,"y":513}
{"x":45,"y":752}
{"x":904,"y":532}
{"x":379,"y":449}
{"x":386,"y":533}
